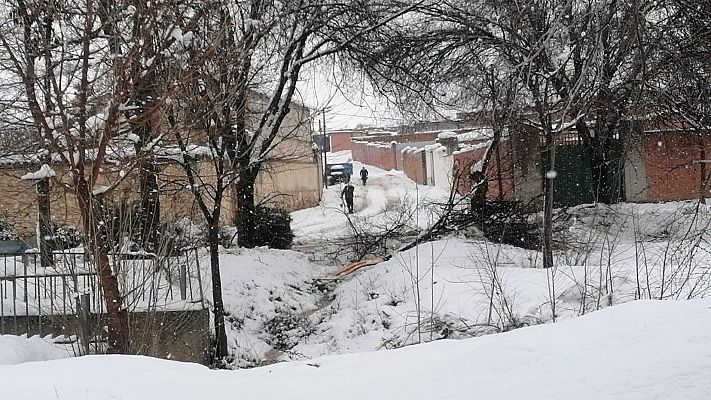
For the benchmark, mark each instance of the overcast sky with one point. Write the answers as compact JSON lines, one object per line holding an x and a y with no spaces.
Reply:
{"x":348,"y":102}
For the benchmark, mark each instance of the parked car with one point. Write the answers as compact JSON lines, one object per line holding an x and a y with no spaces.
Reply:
{"x":338,"y":173}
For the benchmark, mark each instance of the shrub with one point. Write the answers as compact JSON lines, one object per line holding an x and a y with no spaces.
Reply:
{"x":181,"y":234}
{"x":227,"y":236}
{"x":7,"y":229}
{"x":64,"y":237}
{"x":285,"y":329}
{"x":118,"y":220}
{"x":273,"y":228}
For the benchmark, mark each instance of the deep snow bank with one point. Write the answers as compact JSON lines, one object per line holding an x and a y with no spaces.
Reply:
{"x":21,"y":349}
{"x":641,"y":350}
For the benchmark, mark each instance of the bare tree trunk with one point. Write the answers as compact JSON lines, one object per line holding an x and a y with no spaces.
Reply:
{"x":548,"y":202}
{"x":44,"y":230}
{"x":149,"y":211}
{"x":116,"y":315}
{"x":218,"y":304}
{"x":246,"y":208}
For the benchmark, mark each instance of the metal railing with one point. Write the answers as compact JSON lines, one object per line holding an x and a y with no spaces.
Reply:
{"x":31,"y":294}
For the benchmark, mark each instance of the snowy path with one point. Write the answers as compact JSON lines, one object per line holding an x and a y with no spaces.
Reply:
{"x":384,"y":190}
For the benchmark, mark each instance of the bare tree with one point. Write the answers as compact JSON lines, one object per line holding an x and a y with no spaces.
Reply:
{"x":75,"y":85}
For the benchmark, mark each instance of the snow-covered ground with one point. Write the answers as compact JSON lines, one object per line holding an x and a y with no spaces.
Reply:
{"x":283,"y":305}
{"x":266,"y":292}
{"x":21,"y":349}
{"x":639,"y":351}
{"x":460,"y":287}
{"x":386,"y":195}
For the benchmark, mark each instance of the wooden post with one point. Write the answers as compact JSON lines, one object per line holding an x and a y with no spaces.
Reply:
{"x":183,"y":280}
{"x":84,"y":312}
{"x":25,"y":263}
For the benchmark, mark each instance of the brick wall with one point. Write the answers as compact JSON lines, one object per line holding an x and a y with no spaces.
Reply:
{"x":670,"y":163}
{"x":341,"y":141}
{"x":414,"y":166}
{"x":463,"y":161}
{"x":409,"y":138}
{"x":376,"y":154}
{"x":499,"y":172}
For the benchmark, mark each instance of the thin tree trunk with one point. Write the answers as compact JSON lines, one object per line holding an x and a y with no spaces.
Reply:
{"x":149,"y":212}
{"x":116,"y":315}
{"x":548,"y":203}
{"x":44,"y":230}
{"x":218,"y":304}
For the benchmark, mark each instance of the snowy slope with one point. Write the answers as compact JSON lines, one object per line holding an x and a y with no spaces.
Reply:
{"x":21,"y":349}
{"x":642,"y":350}
{"x":262,"y":285}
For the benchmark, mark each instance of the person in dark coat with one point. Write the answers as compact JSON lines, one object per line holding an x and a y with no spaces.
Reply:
{"x":363,"y":175}
{"x":347,"y":193}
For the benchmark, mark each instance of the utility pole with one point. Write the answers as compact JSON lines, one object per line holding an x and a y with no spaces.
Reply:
{"x":322,"y":129}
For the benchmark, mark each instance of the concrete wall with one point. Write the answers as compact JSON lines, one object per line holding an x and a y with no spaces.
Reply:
{"x":290,"y":185}
{"x":175,"y":335}
{"x":442,"y":166}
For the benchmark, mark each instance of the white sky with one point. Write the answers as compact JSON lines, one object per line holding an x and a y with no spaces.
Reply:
{"x":348,"y":102}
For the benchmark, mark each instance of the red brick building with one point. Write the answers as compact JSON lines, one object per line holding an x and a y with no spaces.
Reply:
{"x":660,"y":165}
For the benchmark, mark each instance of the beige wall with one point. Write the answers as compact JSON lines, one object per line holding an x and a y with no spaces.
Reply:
{"x":290,"y":186}
{"x":291,"y":179}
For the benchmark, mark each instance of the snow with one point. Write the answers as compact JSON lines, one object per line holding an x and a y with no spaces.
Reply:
{"x":21,"y":349}
{"x":592,"y":337}
{"x":599,"y":356}
{"x":96,"y":122}
{"x":472,"y":147}
{"x":339,"y":157}
{"x":384,"y":195}
{"x":44,"y":172}
{"x":259,"y":285}
{"x":447,"y":135}
{"x":99,"y":189}
{"x":132,"y":137}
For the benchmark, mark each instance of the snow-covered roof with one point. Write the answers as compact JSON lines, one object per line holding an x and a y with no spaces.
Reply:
{"x":473,"y":147}
{"x":339,"y":157}
{"x":45,"y":171}
{"x":113,"y":155}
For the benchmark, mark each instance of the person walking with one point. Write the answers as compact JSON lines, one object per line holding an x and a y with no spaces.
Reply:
{"x":347,"y":193}
{"x":363,"y":175}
